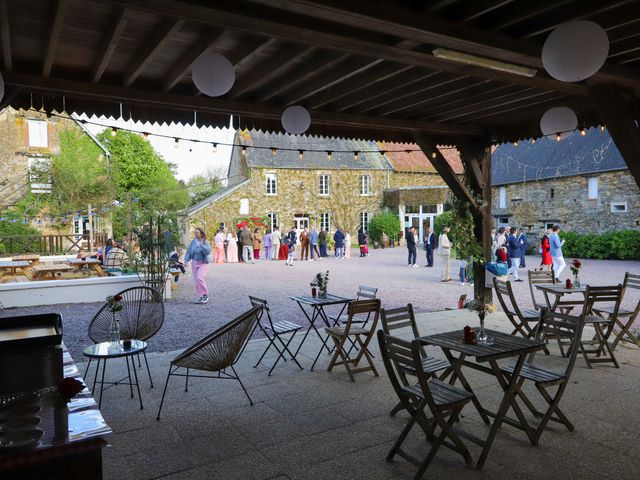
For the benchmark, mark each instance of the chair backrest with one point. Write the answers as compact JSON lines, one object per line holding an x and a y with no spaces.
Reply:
{"x":398,"y":360}
{"x":365,"y":292}
{"x":603,"y":294}
{"x":632,"y":281}
{"x":141,"y":317}
{"x":395,"y":318}
{"x":562,"y":326}
{"x":222,"y":348}
{"x":507,"y":299}
{"x":359,"y":307}
{"x":264,"y":309}
{"x":539,"y":277}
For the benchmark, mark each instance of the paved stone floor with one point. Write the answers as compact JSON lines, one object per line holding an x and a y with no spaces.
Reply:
{"x":319,"y":425}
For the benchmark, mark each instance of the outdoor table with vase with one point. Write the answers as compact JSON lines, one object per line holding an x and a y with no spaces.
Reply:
{"x":87,"y":264}
{"x":49,"y":272}
{"x":498,"y":346}
{"x":13,"y":266}
{"x":557,"y":291}
{"x":317,"y":306}
{"x":66,"y":441}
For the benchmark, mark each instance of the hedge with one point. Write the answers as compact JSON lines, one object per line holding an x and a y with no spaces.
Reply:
{"x":617,"y":245}
{"x":386,"y":222}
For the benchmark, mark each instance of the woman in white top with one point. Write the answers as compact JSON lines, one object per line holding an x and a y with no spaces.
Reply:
{"x":218,"y":253}
{"x":232,"y":247}
{"x":347,"y":244}
{"x":275,"y":243}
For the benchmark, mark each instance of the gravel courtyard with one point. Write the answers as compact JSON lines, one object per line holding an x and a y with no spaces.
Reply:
{"x":230,"y":284}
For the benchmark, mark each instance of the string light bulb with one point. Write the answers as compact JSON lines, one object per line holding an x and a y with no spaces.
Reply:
{"x":274,"y":151}
{"x":114,"y":131}
{"x":583,"y":132}
{"x":408,"y":152}
{"x":356,"y":155}
{"x":383,"y":152}
{"x":176,"y":142}
{"x":515,"y":144}
{"x":145,"y":135}
{"x":244,"y":150}
{"x":301,"y":154}
{"x":214,"y":148}
{"x":558,"y":137}
{"x":329,"y":155}
{"x":533,"y":140}
{"x":602,"y":128}
{"x":434,"y":155}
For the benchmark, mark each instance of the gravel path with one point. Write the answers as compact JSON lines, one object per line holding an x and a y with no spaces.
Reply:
{"x":229,"y":285}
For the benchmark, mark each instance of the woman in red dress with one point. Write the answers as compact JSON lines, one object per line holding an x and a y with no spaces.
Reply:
{"x":545,"y":249}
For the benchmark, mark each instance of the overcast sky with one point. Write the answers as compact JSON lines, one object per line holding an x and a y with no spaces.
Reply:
{"x":191,"y":158}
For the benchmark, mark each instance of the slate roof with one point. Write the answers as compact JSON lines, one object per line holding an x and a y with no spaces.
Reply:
{"x":416,"y":161}
{"x":547,"y":158}
{"x":263,"y":158}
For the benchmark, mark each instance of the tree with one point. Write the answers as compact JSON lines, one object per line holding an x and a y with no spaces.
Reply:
{"x":204,"y":185}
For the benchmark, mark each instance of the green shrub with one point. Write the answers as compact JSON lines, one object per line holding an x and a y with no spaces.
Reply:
{"x":386,"y":222}
{"x":446,"y":218}
{"x":24,"y":245}
{"x":622,"y":244}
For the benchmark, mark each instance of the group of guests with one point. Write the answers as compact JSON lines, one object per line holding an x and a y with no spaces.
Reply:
{"x":443,"y":245}
{"x":113,"y":254}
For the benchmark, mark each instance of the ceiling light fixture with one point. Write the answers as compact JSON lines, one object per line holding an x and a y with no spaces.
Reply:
{"x":484,"y":62}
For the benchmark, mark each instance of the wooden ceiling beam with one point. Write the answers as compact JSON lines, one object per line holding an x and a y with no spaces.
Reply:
{"x":269,"y":69}
{"x":109,"y":44}
{"x":54,"y":36}
{"x":316,"y":36}
{"x":145,"y":97}
{"x":621,"y":124}
{"x":151,"y":48}
{"x":470,"y":99}
{"x":5,"y":36}
{"x":183,"y":65}
{"x":524,"y":12}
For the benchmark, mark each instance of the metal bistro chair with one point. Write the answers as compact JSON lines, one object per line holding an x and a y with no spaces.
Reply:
{"x":562,"y":326}
{"x":216,"y":352}
{"x":402,"y":317}
{"x":444,"y":401}
{"x":519,"y":318}
{"x":340,"y":335}
{"x":141,"y":317}
{"x":275,"y":332}
{"x":621,"y":329}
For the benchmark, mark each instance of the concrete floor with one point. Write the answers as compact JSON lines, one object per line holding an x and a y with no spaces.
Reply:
{"x":319,"y":425}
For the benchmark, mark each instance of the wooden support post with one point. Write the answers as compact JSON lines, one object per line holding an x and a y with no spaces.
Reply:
{"x":90,"y":213}
{"x":620,"y":122}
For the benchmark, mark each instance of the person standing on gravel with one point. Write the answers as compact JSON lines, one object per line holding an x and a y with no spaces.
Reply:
{"x":411,"y":247}
{"x":444,"y":245}
{"x":322,"y":242}
{"x":246,"y":239}
{"x":313,"y":243}
{"x":292,"y":239}
{"x":198,"y":254}
{"x":275,"y":243}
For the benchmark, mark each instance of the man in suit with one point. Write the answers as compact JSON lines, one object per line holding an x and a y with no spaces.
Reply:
{"x":514,"y":254}
{"x":555,"y":246}
{"x":429,"y":243}
{"x":411,"y":246}
{"x":523,"y":242}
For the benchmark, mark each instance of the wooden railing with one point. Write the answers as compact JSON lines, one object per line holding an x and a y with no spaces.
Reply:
{"x":46,"y":244}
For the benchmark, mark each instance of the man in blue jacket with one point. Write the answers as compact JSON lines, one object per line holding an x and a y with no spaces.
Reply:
{"x":523,"y":242}
{"x":338,"y":237}
{"x":514,"y":254}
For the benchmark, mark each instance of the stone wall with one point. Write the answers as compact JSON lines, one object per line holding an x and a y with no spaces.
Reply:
{"x":565,"y":201}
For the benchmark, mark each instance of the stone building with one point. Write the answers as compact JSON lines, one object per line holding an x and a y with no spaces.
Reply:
{"x":326,"y":182}
{"x":28,"y":140}
{"x":581,"y":183}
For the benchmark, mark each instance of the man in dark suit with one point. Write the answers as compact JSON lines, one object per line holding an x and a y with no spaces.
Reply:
{"x":430,"y":243}
{"x":523,"y":243}
{"x":411,"y":246}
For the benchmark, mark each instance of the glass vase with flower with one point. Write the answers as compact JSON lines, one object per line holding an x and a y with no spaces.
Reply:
{"x":114,"y":305}
{"x":575,"y":267}
{"x":482,"y":308}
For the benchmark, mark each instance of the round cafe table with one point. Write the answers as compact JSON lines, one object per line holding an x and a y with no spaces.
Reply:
{"x":103,"y":352}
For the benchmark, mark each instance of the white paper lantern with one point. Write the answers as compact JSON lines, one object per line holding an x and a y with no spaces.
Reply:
{"x":575,"y":50}
{"x":558,"y":120}
{"x":1,"y":87}
{"x":213,"y":74}
{"x":296,"y":119}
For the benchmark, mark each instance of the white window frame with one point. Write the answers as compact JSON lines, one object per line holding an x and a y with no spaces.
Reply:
{"x":365,"y":218}
{"x":273,"y":220}
{"x":502,"y":197}
{"x":365,"y":185}
{"x":324,"y":187}
{"x":325,"y":221}
{"x":271,"y":184}
{"x":619,"y":204}
{"x":38,"y":133}
{"x":244,"y":206}
{"x":39,"y":182}
{"x":592,"y":188}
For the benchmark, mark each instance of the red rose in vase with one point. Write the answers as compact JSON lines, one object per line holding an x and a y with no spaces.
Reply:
{"x":65,"y":390}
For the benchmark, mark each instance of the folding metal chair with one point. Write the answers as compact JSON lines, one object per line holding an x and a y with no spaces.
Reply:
{"x":275,"y":332}
{"x":444,"y":401}
{"x":624,"y":318}
{"x":562,"y":326}
{"x":601,"y":351}
{"x":519,"y":318}
{"x":361,"y":337}
{"x":403,"y":317}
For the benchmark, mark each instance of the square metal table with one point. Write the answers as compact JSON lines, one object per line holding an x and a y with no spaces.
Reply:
{"x":317,"y":306}
{"x":504,"y":346}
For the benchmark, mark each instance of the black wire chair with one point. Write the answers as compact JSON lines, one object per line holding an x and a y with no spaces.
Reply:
{"x":216,"y":352}
{"x":141,"y":317}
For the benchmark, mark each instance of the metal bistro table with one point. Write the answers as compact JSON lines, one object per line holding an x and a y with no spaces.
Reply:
{"x":318,"y":306}
{"x":104,"y":351}
{"x":504,"y":346}
{"x":559,"y":291}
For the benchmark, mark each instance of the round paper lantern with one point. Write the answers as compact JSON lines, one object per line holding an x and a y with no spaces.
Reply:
{"x":213,"y":74}
{"x":558,"y":120}
{"x":296,"y":119}
{"x":575,"y":50}
{"x":1,"y":87}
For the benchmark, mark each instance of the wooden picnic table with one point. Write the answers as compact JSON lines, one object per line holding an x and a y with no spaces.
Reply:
{"x":557,"y":291}
{"x":27,"y":257}
{"x":504,"y":346}
{"x":87,"y":263}
{"x":49,"y":271}
{"x":13,"y":266}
